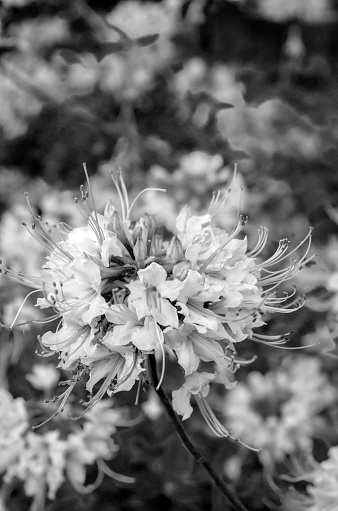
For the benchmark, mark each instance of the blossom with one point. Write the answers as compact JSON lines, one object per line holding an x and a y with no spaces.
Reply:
{"x":322,"y":492}
{"x":40,"y":463}
{"x":44,"y":459}
{"x":13,"y":426}
{"x":120,"y":293}
{"x":308,"y":11}
{"x":92,"y":444}
{"x":43,"y":376}
{"x":279,"y":412}
{"x":195,"y":383}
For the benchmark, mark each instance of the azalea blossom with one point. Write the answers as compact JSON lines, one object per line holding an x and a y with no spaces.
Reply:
{"x":43,"y":376}
{"x":120,"y":292}
{"x":280,"y":412}
{"x":44,"y":459}
{"x":13,"y":426}
{"x":322,"y":493}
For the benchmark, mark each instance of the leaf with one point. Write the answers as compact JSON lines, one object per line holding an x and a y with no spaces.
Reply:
{"x":111,"y":48}
{"x":71,"y":56}
{"x":238,"y":154}
{"x":118,"y":30}
{"x":146,"y":40}
{"x":221,"y":105}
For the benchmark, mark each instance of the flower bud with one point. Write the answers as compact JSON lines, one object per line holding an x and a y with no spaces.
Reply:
{"x":149,"y":226}
{"x":174,"y":252}
{"x":116,"y":226}
{"x":109,"y":209}
{"x":140,"y":250}
{"x":181,"y":269}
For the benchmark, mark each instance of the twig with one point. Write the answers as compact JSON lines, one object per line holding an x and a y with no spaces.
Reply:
{"x":223,"y":487}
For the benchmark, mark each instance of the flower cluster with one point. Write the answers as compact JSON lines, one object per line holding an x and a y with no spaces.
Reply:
{"x":43,"y":461}
{"x":121,"y":293}
{"x":280,"y":411}
{"x":322,"y":494}
{"x":307,"y":11}
{"x":127,"y":74}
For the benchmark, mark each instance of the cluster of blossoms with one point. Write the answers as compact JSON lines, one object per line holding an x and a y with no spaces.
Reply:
{"x":43,"y":461}
{"x":322,"y":494}
{"x":121,"y":293}
{"x":217,"y":79}
{"x":128,"y":73}
{"x":322,"y":285}
{"x":280,"y":411}
{"x":308,"y":11}
{"x":28,"y":79}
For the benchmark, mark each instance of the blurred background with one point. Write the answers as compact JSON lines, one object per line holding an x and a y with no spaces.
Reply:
{"x":177,"y":93}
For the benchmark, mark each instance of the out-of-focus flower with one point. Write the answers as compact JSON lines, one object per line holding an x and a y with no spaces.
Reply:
{"x":92,"y":443}
{"x":58,"y":206}
{"x":34,"y":35}
{"x":40,"y":464}
{"x":17,"y":105}
{"x":258,"y":130}
{"x":44,"y":461}
{"x":218,"y":80}
{"x":122,"y":293}
{"x":279,"y":411}
{"x":322,"y":494}
{"x":43,"y":376}
{"x":14,"y":254}
{"x":193,"y":181}
{"x":17,"y":3}
{"x":13,"y":426}
{"x":152,"y":407}
{"x":128,"y":73}
{"x":308,"y":11}
{"x":323,"y":274}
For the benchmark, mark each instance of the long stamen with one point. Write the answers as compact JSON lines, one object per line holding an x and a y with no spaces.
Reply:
{"x":27,"y":280}
{"x":261,"y":242}
{"x":114,"y":475}
{"x":217,"y":203}
{"x":214,"y":424}
{"x":237,"y":230}
{"x":141,"y":192}
{"x":99,"y":230}
{"x":163,"y":356}
{"x":116,"y":177}
{"x":65,"y":396}
{"x":21,"y":306}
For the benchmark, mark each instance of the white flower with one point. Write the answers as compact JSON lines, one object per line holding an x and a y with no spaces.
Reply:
{"x":322,"y":494}
{"x":13,"y":426}
{"x":41,"y":463}
{"x":309,"y":11}
{"x":43,"y":376}
{"x":196,"y":384}
{"x":122,"y":293}
{"x":279,"y":412}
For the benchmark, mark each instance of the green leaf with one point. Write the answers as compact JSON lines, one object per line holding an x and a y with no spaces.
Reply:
{"x":111,"y":48}
{"x":71,"y":56}
{"x":146,"y":40}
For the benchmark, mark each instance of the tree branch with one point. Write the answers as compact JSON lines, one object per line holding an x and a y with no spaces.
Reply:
{"x":221,"y":485}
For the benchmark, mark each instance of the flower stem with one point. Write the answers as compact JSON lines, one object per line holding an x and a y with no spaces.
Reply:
{"x":221,"y":485}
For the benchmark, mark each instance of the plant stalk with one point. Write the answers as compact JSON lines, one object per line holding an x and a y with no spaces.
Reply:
{"x":218,"y":481}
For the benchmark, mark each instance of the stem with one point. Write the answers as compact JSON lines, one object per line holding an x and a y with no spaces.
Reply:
{"x":221,"y":485}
